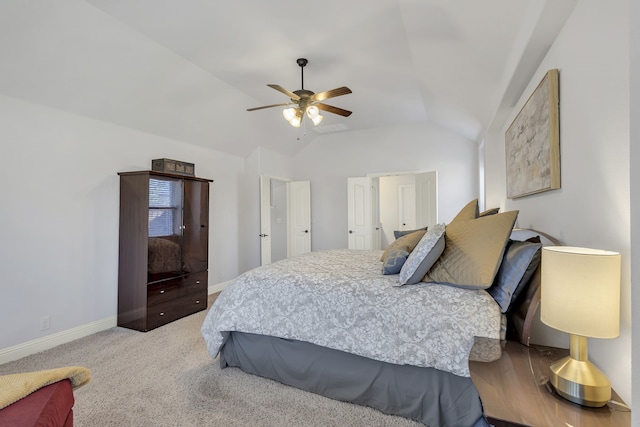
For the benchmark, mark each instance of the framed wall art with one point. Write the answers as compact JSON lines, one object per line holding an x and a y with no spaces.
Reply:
{"x":532,"y":142}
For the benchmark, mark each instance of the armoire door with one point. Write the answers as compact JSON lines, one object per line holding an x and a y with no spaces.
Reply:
{"x":195,"y":226}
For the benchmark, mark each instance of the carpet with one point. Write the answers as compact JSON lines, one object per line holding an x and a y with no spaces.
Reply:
{"x":166,"y":377}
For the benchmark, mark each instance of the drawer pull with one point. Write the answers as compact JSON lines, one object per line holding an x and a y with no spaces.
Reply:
{"x":162,"y":291}
{"x":197,"y":282}
{"x":197,"y":301}
{"x":162,"y":313}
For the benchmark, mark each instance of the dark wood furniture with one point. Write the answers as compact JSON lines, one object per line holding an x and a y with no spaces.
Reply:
{"x":164,"y":246}
{"x":515,"y":390}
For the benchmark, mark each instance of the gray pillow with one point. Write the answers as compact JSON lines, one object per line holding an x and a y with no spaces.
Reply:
{"x":519,"y":262}
{"x":394,"y":261}
{"x":423,"y":256}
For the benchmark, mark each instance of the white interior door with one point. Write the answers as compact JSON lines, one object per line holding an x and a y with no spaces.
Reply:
{"x":376,"y":233}
{"x":265,"y":220}
{"x":426,"y":199}
{"x":299,"y":217}
{"x":359,"y":212}
{"x":407,"y":206}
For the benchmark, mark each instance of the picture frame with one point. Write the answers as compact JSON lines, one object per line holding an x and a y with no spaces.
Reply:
{"x":532,"y":142}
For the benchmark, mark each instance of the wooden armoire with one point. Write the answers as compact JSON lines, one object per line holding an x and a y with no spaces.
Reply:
{"x":164,"y":248}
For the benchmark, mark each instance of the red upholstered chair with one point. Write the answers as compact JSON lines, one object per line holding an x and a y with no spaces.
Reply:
{"x":50,"y":406}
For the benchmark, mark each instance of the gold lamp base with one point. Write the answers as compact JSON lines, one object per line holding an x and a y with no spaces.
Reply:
{"x":578,"y":380}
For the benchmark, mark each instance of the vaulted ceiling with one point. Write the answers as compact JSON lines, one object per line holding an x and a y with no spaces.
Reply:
{"x":189,"y":69}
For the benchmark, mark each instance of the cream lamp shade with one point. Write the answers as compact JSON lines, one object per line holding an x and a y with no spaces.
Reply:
{"x":581,"y":291}
{"x":581,"y":296}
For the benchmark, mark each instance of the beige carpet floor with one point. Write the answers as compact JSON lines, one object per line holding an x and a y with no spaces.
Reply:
{"x":166,"y":377}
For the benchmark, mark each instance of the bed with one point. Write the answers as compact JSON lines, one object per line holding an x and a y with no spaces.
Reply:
{"x":332,"y":323}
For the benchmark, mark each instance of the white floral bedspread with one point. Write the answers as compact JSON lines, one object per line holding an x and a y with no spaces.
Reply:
{"x":340,"y":299}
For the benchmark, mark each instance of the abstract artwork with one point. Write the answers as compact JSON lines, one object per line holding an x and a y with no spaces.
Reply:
{"x":532,"y":142}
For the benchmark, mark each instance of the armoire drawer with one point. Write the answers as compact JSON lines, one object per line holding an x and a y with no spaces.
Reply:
{"x":160,"y":314}
{"x":196,"y":282}
{"x":171,"y":289}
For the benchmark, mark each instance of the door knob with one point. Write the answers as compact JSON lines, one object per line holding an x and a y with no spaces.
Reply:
{"x":306,"y":231}
{"x":350,"y":231}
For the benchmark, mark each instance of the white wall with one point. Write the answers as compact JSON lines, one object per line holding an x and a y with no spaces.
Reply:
{"x":328,"y":162}
{"x":592,"y":208}
{"x":635,"y":194}
{"x":59,"y":214}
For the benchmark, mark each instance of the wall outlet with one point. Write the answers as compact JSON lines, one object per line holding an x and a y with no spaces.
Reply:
{"x":45,"y":323}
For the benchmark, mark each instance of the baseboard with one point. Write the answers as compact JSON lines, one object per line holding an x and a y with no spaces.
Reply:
{"x":45,"y":343}
{"x":218,"y":287}
{"x":19,"y":351}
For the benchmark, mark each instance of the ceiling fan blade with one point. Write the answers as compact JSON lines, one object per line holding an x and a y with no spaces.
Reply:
{"x":331,"y":93}
{"x":286,"y":92}
{"x":332,"y":109}
{"x":269,"y":106}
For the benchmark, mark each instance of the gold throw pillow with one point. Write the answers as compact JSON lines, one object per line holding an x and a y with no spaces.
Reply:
{"x":409,"y":240}
{"x":474,"y":247}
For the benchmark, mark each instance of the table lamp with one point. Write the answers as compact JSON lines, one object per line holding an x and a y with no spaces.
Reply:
{"x":581,"y":296}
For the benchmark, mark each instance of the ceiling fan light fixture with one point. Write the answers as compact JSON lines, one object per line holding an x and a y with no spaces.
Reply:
{"x":312,"y":112}
{"x":308,"y":102}
{"x":295,"y":122}
{"x":289,"y":113}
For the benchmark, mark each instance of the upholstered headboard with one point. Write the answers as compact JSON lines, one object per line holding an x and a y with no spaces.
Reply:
{"x":521,"y":317}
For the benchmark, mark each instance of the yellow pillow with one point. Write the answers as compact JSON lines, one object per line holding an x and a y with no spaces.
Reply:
{"x":474,"y":247}
{"x":470,"y":211}
{"x":409,"y":240}
{"x":491,"y":211}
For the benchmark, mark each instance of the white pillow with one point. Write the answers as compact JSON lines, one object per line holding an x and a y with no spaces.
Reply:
{"x":423,"y":256}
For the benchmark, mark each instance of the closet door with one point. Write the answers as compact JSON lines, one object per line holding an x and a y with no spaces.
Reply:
{"x":359,"y":212}
{"x":195,"y":226}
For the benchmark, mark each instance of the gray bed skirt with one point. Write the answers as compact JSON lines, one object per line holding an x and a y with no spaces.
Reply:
{"x":427,"y":395}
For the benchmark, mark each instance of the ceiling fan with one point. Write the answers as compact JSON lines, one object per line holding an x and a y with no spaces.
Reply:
{"x":307,"y":101}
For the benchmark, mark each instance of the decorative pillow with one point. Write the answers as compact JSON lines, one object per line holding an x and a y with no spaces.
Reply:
{"x":518,"y":264}
{"x":395,"y":260}
{"x":409,"y":240}
{"x":491,"y":211}
{"x":470,"y":211}
{"x":473,"y":248}
{"x":399,"y":233}
{"x":425,"y":254}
